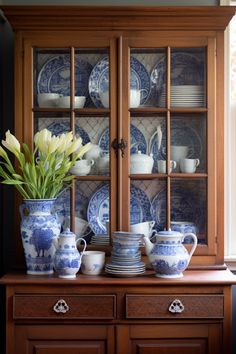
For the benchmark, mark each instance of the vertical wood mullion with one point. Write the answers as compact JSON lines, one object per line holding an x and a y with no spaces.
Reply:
{"x":72,"y":126}
{"x":168,"y":187}
{"x":114,"y":111}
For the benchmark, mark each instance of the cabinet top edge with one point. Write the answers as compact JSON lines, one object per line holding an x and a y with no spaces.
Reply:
{"x":116,"y":17}
{"x":204,"y":277}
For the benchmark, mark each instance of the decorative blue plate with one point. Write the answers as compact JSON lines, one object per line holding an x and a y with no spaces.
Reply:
{"x":58,"y":128}
{"x":62,"y":204}
{"x":55,"y":76}
{"x":186,"y":204}
{"x":138,"y":141}
{"x":186,"y":69}
{"x":181,"y":134}
{"x":99,"y":80}
{"x":98,"y":208}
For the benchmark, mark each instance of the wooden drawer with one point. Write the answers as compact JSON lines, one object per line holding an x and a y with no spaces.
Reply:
{"x":64,"y":306}
{"x":189,"y":306}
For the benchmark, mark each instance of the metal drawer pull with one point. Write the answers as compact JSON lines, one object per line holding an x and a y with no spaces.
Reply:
{"x":176,"y":306}
{"x":61,"y":306}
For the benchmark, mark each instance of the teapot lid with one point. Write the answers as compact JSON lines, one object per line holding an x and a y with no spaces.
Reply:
{"x":169,"y":233}
{"x":67,"y":233}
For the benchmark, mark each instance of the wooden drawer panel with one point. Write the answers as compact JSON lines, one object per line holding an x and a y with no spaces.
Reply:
{"x":157,"y":306}
{"x":79,"y":306}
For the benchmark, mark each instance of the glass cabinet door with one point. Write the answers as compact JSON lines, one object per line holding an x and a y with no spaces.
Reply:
{"x":72,"y":92}
{"x":168,"y":121}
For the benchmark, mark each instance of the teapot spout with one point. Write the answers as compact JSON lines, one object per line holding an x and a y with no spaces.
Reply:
{"x":55,"y":242}
{"x":148,"y":245}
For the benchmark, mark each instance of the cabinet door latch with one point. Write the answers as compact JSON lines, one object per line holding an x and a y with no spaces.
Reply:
{"x":122,"y":145}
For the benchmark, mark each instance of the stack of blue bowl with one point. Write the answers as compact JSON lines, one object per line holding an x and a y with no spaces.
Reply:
{"x":126,"y":255}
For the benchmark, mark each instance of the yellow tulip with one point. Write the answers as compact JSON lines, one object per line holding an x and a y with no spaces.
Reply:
{"x":42,"y":140}
{"x":11,"y":143}
{"x":65,"y":142}
{"x":76,"y":144}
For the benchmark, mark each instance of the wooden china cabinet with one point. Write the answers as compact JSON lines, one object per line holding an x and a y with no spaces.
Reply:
{"x":152,"y":79}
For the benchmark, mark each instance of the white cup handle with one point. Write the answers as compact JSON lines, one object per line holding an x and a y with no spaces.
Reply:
{"x":197,"y":162}
{"x":173,"y":164}
{"x":91,"y":162}
{"x":85,"y":245}
{"x":194,"y":243}
{"x":145,"y":90}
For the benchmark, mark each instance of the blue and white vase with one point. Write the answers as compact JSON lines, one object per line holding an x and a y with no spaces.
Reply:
{"x":67,"y":259}
{"x":38,"y":227}
{"x":168,"y":257}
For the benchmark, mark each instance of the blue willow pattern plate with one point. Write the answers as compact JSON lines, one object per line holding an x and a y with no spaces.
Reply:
{"x":55,"y":76}
{"x":98,"y":208}
{"x":137,"y":140}
{"x":186,"y":69}
{"x":58,"y":128}
{"x":186,"y":204}
{"x":99,"y":80}
{"x":181,"y":133}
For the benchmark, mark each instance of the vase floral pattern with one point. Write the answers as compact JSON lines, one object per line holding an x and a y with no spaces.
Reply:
{"x":38,"y":227}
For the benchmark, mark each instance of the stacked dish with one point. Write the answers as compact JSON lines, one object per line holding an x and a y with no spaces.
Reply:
{"x":102,"y":239}
{"x":126,"y":255}
{"x":184,"y":96}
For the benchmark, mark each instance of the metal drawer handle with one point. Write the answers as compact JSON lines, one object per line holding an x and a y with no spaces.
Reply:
{"x":61,"y":306}
{"x":176,"y":306}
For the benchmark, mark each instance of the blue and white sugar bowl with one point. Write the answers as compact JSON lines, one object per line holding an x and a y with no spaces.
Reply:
{"x":168,"y":257}
{"x":67,"y":258}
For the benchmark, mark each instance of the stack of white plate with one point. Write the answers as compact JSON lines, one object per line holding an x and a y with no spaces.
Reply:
{"x":184,"y":96}
{"x":137,"y":268}
{"x":100,"y":240}
{"x":126,"y":255}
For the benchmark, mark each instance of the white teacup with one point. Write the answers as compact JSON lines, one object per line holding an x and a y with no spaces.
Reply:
{"x":161,"y":166}
{"x":177,"y":153}
{"x":135,"y":97}
{"x":82,"y":167}
{"x":81,"y":226}
{"x":47,"y":100}
{"x":145,"y":228}
{"x":189,"y":165}
{"x":92,"y":262}
{"x":64,"y":101}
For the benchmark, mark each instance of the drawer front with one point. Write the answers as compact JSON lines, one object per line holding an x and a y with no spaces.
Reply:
{"x":64,"y":306}
{"x":174,"y":306}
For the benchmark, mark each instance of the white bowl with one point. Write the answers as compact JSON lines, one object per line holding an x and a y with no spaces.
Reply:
{"x":64,"y":101}
{"x":47,"y":100}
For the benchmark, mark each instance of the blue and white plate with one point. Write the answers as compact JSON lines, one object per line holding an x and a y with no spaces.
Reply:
{"x":58,"y":128}
{"x":99,"y":80}
{"x":137,"y":140}
{"x":62,"y":204}
{"x":186,"y":204}
{"x":98,"y":208}
{"x":186,"y":69}
{"x":55,"y":76}
{"x":181,"y":134}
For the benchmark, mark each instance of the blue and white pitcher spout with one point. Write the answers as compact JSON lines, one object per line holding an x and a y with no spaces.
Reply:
{"x":168,"y":257}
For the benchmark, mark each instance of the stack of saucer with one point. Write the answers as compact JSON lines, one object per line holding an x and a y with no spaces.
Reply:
{"x":102,"y":239}
{"x":126,"y":255}
{"x":184,"y":96}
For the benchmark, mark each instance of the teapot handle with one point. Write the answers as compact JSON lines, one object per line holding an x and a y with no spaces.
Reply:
{"x":85,"y":245}
{"x":194,"y":243}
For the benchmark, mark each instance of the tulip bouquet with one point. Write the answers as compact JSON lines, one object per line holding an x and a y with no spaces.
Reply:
{"x":42,"y":173}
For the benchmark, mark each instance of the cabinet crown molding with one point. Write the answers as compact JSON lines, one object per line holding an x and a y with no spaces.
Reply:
{"x":118,"y":17}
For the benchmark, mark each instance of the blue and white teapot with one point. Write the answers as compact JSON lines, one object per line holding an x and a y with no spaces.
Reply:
{"x":67,"y":258}
{"x":168,"y":256}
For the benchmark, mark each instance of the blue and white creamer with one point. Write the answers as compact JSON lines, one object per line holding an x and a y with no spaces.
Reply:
{"x":67,"y":258}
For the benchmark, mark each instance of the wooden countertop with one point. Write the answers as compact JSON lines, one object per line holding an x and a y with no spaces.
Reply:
{"x":195,"y":277}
